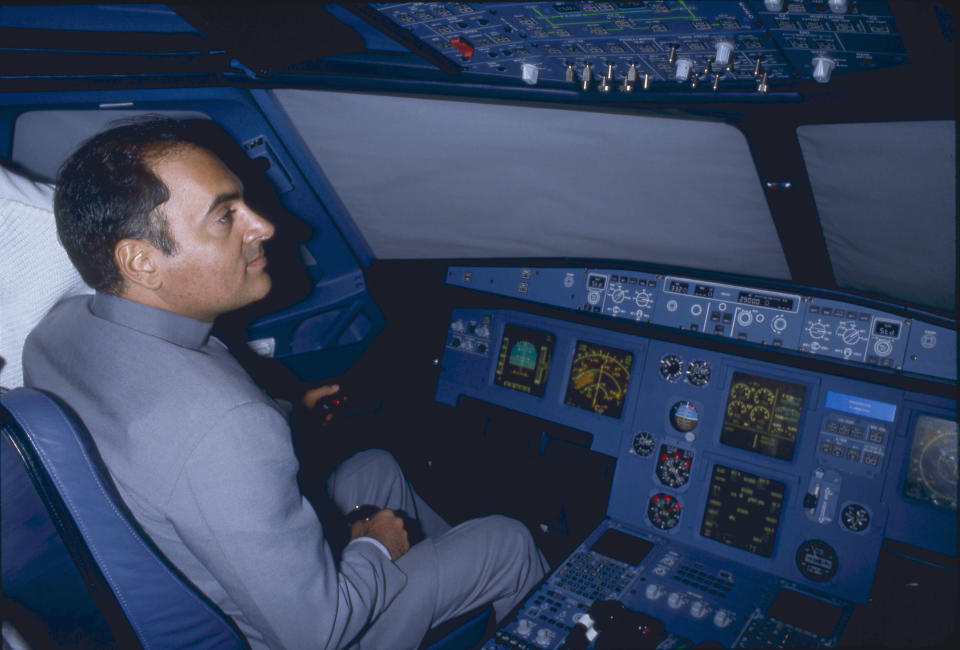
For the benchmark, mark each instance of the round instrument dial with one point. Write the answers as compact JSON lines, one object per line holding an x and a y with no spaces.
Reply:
{"x":671,"y":367}
{"x":855,"y":517}
{"x":764,"y":396}
{"x":760,"y":415}
{"x":736,"y":409}
{"x":663,"y":510}
{"x":817,"y":560}
{"x":644,"y":444}
{"x":684,"y":416}
{"x":698,"y":373}
{"x":673,"y":466}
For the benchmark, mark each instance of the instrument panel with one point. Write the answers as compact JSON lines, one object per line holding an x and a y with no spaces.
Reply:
{"x":634,"y":46}
{"x":762,"y":477}
{"x":846,"y":331}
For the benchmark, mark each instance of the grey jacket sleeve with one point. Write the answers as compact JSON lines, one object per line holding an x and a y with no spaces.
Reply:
{"x":238,"y":508}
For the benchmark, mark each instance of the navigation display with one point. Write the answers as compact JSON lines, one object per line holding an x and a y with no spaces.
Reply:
{"x":524,"y":359}
{"x":743,"y":510}
{"x":762,"y":415}
{"x":932,"y":469}
{"x":599,"y":377}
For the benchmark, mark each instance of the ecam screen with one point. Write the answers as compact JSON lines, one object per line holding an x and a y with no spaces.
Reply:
{"x":743,"y":510}
{"x":762,"y":415}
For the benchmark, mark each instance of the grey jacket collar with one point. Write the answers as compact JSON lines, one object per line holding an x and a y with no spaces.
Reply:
{"x":179,"y":330}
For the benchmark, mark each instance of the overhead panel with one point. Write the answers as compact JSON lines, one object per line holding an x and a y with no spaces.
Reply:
{"x":631,"y":46}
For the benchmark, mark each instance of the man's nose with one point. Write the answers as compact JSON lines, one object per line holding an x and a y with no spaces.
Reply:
{"x":259,"y":226}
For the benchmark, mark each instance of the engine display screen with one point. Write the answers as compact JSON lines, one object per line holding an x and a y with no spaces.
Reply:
{"x":932,"y":468}
{"x":599,"y":378}
{"x":763,"y":415}
{"x":524,"y":359}
{"x":743,"y":510}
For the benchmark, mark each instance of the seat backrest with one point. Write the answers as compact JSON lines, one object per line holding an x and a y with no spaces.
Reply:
{"x":142,"y":600}
{"x":35,"y":271}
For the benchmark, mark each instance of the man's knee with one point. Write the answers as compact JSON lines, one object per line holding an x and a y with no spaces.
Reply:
{"x":373,"y":470}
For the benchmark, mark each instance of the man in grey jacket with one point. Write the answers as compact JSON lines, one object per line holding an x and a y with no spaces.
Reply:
{"x":158,"y":225}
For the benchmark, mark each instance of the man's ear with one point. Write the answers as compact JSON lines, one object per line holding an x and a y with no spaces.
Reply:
{"x":136,"y":261}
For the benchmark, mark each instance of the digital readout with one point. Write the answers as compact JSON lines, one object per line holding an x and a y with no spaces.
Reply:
{"x":679,"y":287}
{"x":765,"y":300}
{"x":886,"y":328}
{"x":703,"y":291}
{"x":524,"y":359}
{"x":595,"y":281}
{"x":762,"y":415}
{"x":743,"y":510}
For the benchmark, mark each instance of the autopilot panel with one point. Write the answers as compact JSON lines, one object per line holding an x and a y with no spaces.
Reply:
{"x":750,"y":499}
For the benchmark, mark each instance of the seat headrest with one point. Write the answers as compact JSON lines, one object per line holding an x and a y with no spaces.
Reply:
{"x":35,"y":272}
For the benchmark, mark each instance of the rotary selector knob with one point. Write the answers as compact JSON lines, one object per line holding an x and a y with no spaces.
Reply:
{"x":883,"y":347}
{"x":643,"y":299}
{"x":524,"y":627}
{"x":653,"y":592}
{"x":744,"y":317}
{"x":618,"y":296}
{"x":699,"y":609}
{"x":722,"y":618}
{"x":817,"y":330}
{"x":779,"y":324}
{"x":676,"y":600}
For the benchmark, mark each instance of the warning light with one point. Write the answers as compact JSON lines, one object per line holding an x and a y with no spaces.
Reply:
{"x":462,"y":46}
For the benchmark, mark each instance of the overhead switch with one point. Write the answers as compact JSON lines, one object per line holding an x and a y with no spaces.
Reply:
{"x":724,"y":50}
{"x":462,"y":46}
{"x":684,"y":65}
{"x":838,"y":6}
{"x":773,"y":5}
{"x":822,"y":68}
{"x":530,"y":73}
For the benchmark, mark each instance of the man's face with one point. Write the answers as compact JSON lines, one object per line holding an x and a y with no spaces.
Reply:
{"x":219,"y":265}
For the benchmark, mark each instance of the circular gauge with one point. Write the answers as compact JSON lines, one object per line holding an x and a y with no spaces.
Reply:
{"x":817,"y":560}
{"x":663,"y":511}
{"x":698,"y":373}
{"x":736,"y":409}
{"x":764,"y":396}
{"x":671,"y":367}
{"x":760,"y":415}
{"x":855,"y":517}
{"x":741,"y":392}
{"x":673,"y":466}
{"x":684,"y":416}
{"x":643,"y":444}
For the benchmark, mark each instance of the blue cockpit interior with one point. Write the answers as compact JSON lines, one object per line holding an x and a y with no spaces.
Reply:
{"x":673,"y":282}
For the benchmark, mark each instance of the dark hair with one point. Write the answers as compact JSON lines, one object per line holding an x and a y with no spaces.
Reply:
{"x":106,"y":191}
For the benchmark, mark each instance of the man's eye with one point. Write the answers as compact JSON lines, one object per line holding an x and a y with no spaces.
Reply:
{"x":227,"y":216}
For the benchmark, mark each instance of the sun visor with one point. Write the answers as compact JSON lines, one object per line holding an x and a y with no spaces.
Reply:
{"x":425,"y":178}
{"x":886,"y":194}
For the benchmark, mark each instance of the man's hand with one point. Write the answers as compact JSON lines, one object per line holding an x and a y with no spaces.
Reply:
{"x":314,"y":395}
{"x":385,"y":527}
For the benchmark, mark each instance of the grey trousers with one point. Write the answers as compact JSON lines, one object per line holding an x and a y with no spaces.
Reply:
{"x":487,"y":560}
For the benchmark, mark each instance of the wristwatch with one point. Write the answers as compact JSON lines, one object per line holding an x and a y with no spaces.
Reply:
{"x":362,"y":513}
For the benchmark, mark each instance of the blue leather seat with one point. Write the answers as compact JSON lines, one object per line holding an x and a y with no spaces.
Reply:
{"x":77,"y":569}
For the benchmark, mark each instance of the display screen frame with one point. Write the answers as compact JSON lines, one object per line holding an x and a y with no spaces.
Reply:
{"x":735,"y":433}
{"x":574,"y":396}
{"x":913,"y":487}
{"x":509,"y":375}
{"x":726,"y":511}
